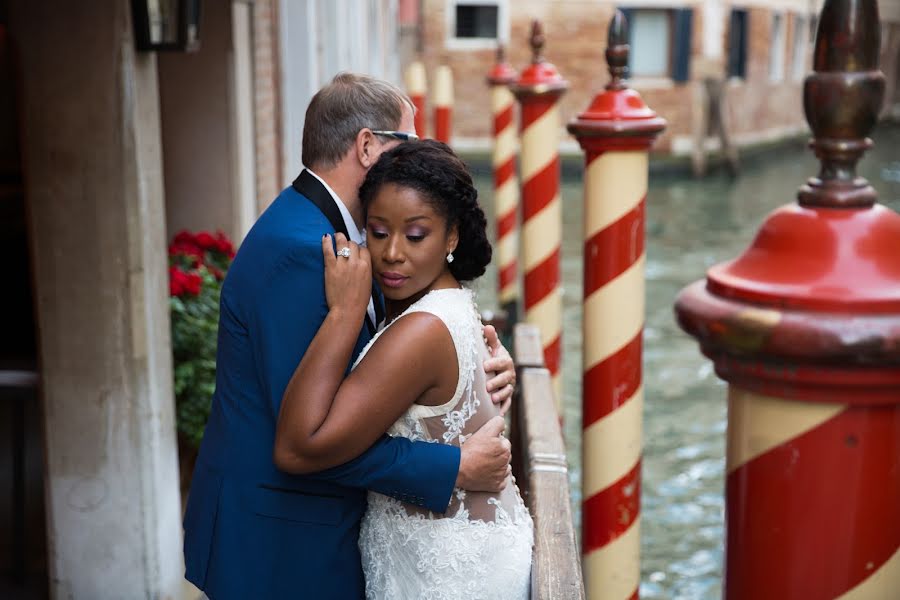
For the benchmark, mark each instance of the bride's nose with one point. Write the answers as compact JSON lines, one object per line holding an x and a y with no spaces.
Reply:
{"x":393,"y":251}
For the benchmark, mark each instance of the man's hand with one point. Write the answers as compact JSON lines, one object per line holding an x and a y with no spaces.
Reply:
{"x":484,"y":459}
{"x":503,"y":383}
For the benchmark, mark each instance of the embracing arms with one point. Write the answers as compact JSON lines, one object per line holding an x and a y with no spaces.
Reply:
{"x":325,"y":421}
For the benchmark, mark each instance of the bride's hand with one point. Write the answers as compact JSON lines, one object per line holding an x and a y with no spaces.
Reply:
{"x":348,"y":279}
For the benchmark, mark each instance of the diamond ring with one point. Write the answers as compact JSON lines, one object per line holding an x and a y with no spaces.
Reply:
{"x":345,"y":252}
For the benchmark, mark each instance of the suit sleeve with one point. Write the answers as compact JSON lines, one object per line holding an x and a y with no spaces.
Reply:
{"x":288,"y":310}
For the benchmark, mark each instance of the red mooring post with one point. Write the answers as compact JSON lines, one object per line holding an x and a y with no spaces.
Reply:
{"x":506,"y":188}
{"x":538,"y":90}
{"x":616,"y":132}
{"x":805,"y":328}
{"x":443,"y":104}
{"x":417,"y":88}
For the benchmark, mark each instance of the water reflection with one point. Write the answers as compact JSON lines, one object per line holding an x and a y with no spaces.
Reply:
{"x":690,"y":226}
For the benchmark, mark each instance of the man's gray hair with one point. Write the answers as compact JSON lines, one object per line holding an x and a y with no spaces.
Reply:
{"x":338,"y":112}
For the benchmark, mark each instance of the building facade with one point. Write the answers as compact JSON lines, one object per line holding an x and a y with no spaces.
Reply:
{"x":760,"y":49}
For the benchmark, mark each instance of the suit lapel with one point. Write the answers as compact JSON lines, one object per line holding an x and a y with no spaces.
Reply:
{"x":308,"y":186}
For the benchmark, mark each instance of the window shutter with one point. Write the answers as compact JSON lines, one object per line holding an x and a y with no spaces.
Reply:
{"x":737,"y":44}
{"x":681,"y":62}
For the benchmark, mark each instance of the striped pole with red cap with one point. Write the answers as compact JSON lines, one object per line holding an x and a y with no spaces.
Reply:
{"x":805,"y":328}
{"x":506,"y":189}
{"x":538,"y":91}
{"x":416,"y":89}
{"x":616,"y":132}
{"x":443,"y":104}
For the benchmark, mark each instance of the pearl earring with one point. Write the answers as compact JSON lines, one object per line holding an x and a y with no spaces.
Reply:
{"x":450,"y":257}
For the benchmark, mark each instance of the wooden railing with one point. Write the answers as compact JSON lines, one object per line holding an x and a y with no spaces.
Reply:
{"x":541,"y":470}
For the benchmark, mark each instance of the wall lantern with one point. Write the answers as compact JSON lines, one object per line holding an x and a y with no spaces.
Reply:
{"x":166,"y":25}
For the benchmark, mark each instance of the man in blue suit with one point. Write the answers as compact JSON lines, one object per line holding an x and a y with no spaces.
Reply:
{"x":252,"y":531}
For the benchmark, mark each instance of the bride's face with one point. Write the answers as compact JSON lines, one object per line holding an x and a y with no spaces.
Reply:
{"x":408,"y":241}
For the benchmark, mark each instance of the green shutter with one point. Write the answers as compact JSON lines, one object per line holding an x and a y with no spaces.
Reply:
{"x":681,"y":59}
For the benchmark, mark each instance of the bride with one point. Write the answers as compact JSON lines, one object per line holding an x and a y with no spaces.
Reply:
{"x":417,"y":378}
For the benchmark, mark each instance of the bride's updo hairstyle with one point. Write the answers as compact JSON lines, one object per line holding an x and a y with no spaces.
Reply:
{"x":437,"y":173}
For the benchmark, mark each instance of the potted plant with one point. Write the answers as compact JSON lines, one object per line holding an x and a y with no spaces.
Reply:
{"x":197,"y":266}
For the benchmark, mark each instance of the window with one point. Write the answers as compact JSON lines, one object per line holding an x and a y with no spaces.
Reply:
{"x":660,"y":43}
{"x":476,"y":24}
{"x":651,"y":41}
{"x":476,"y":21}
{"x":737,"y":44}
{"x":801,"y":42}
{"x":777,"y":48}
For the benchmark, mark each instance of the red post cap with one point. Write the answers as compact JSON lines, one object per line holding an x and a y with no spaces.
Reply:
{"x":502,"y":72}
{"x":617,"y":118}
{"x":540,"y":78}
{"x":812,"y":309}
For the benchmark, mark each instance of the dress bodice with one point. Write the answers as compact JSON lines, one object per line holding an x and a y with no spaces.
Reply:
{"x":481,"y":546}
{"x":467,"y":410}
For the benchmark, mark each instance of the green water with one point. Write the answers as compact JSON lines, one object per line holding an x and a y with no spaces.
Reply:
{"x":691,"y":225}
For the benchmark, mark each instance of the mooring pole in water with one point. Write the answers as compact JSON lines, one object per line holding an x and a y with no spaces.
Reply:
{"x":538,"y":91}
{"x":805,"y":328}
{"x":416,"y":89}
{"x":616,"y":132}
{"x":506,"y":188}
{"x":443,"y":103}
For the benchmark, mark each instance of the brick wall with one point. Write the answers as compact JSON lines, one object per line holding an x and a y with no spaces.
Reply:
{"x":267,"y":101}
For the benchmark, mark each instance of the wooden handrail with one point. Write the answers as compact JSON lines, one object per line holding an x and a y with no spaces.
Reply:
{"x":541,"y":470}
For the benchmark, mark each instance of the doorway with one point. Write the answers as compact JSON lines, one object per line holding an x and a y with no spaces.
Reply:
{"x":23,"y":564}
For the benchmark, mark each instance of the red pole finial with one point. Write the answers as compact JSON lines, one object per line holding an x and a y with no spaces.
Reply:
{"x":617,"y":49}
{"x":537,"y":42}
{"x":841,"y":99}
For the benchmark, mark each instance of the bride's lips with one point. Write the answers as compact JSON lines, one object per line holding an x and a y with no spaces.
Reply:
{"x":393,"y":280}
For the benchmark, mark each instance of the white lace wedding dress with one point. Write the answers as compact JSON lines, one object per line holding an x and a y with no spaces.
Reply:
{"x":480,"y":549}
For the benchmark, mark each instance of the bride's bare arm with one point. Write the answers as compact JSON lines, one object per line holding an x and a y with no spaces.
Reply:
{"x":325,"y":421}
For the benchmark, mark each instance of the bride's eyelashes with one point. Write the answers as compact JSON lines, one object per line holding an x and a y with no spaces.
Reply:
{"x":413,"y":236}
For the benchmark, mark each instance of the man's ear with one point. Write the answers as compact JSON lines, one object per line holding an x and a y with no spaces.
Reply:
{"x":365,"y":147}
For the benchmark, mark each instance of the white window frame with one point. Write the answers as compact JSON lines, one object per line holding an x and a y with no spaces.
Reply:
{"x":778,"y":47}
{"x":451,"y":42}
{"x":800,"y":50}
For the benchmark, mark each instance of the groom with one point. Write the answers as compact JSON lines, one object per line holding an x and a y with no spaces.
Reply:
{"x":252,"y":531}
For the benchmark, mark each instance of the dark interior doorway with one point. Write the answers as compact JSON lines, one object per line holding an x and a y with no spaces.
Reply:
{"x":23,"y":564}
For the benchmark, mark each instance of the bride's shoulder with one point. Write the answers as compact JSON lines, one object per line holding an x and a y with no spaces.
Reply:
{"x":446,"y":301}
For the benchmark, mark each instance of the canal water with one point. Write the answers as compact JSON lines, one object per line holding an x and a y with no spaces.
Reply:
{"x":691,"y":225}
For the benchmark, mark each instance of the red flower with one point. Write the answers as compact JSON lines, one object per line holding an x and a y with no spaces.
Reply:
{"x":181,"y":283}
{"x":206,"y":241}
{"x":217,"y":273}
{"x":187,"y":249}
{"x":193,"y":283}
{"x":176,"y":281}
{"x":224,"y":245}
{"x":185,"y":237}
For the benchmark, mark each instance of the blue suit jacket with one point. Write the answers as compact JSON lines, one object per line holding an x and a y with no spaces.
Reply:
{"x":250,"y":530}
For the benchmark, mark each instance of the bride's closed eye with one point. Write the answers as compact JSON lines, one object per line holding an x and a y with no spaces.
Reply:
{"x":377,"y":233}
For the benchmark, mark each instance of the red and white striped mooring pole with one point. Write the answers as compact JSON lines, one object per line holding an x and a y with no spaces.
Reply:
{"x":443,"y":104}
{"x":616,"y":132}
{"x":805,"y":328}
{"x":416,"y":89}
{"x":506,"y":189}
{"x":538,"y":90}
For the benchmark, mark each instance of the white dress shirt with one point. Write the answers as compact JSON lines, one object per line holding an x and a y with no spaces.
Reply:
{"x":356,"y":235}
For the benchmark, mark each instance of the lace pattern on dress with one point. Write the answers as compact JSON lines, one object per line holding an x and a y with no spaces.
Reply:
{"x":479,"y":548}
